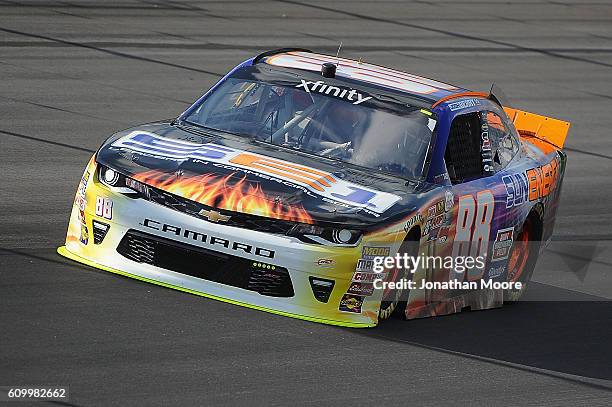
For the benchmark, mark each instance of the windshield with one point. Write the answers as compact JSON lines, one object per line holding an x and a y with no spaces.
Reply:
{"x":336,"y":122}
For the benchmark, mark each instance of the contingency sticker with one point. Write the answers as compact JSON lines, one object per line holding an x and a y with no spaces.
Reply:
{"x":351,"y":303}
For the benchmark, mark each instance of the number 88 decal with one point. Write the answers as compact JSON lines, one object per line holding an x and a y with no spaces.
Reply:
{"x":473,"y":229}
{"x":104,"y":207}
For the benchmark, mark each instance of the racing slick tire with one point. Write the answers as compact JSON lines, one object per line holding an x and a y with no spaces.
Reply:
{"x":524,"y":255}
{"x":394,"y":301}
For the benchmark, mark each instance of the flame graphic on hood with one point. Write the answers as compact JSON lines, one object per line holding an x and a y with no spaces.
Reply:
{"x":224,"y":193}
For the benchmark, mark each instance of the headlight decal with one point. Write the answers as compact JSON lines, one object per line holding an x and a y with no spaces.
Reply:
{"x":325,"y":235}
{"x":120,"y":183}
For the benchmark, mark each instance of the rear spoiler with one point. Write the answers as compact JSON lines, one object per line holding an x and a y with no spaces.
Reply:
{"x":550,"y":130}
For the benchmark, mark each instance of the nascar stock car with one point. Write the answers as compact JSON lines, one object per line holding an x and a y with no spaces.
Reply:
{"x":279,"y":186}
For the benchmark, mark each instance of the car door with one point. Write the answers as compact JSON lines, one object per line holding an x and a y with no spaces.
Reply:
{"x":475,"y":168}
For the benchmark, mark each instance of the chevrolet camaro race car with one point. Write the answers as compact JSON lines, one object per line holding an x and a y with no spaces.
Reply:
{"x":282,"y":185}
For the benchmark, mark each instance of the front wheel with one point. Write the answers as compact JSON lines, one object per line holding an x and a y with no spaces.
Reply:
{"x":392,"y":299}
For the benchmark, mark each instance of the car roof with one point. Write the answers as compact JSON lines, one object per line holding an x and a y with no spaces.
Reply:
{"x":414,"y":85}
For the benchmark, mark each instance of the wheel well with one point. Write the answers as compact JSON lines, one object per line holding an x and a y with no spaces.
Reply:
{"x":414,"y":234}
{"x":536,"y":218}
{"x":412,"y":241}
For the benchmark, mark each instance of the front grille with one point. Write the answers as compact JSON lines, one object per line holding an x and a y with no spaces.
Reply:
{"x":266,"y":279}
{"x":237,"y":219}
{"x":274,"y":283}
{"x":138,"y":248}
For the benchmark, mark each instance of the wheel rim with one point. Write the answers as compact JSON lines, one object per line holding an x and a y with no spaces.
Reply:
{"x":520,"y":254}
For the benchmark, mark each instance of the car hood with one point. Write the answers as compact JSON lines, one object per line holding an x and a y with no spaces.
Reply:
{"x":234,"y":173}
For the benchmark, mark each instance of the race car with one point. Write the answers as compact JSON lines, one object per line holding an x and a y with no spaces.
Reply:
{"x":288,"y":182}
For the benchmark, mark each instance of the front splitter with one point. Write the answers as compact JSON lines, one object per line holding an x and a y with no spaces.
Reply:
{"x":63,"y":251}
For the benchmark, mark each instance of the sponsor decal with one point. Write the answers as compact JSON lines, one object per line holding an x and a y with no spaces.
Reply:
{"x":351,"y":303}
{"x":325,"y":262}
{"x":433,"y":224}
{"x":416,"y":219}
{"x":463,"y":104}
{"x":365,"y":265}
{"x":443,"y":235}
{"x":80,"y":200}
{"x":502,"y":244}
{"x":439,"y":178}
{"x":496,"y":271}
{"x":485,"y":149}
{"x":350,"y":95}
{"x":104,"y":207}
{"x":368,"y":277}
{"x":517,"y":189}
{"x":317,"y":182}
{"x":437,"y":221}
{"x":213,"y":241}
{"x":84,"y":181}
{"x":435,"y":210}
{"x":370,"y":252}
{"x":359,"y":288}
{"x":84,"y":237}
{"x":531,"y":185}
{"x":432,"y":235}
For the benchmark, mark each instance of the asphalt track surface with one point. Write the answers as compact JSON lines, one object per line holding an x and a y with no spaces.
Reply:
{"x":73,"y":72}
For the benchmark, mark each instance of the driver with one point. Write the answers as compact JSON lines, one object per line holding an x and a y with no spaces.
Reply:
{"x":339,"y":124}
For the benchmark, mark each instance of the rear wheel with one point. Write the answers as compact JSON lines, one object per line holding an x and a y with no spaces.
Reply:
{"x":394,"y":301}
{"x":523,"y":258}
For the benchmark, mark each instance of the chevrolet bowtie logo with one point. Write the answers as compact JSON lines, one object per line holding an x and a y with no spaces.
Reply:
{"x":214,"y":216}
